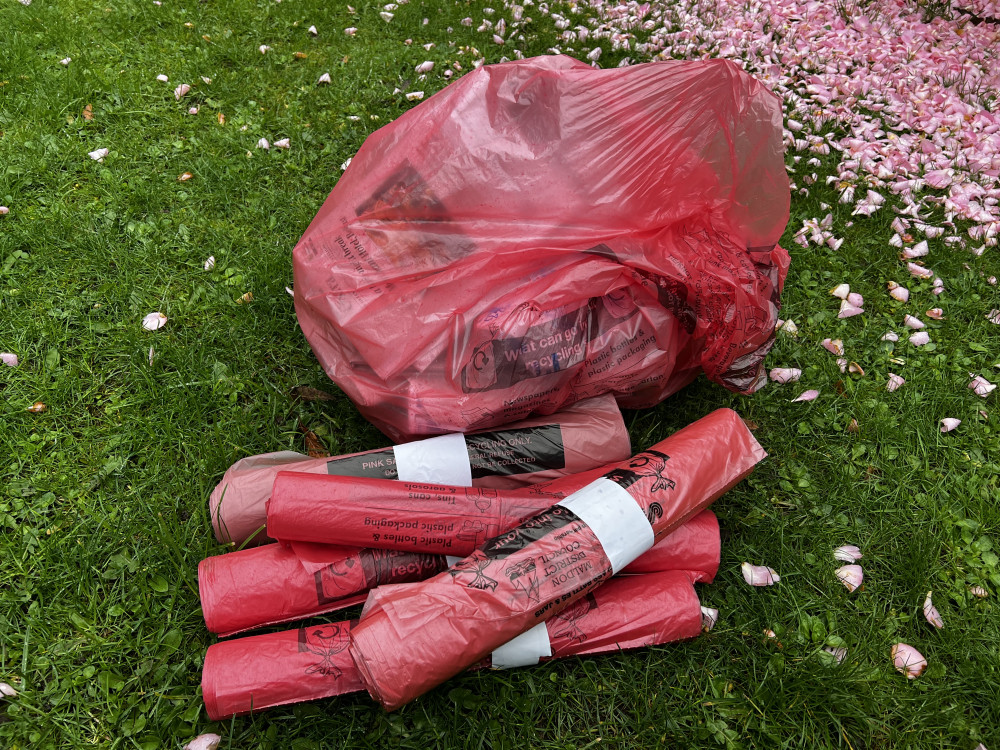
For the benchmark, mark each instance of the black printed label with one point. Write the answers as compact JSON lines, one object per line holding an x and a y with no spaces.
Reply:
{"x":377,"y":465}
{"x":518,"y":451}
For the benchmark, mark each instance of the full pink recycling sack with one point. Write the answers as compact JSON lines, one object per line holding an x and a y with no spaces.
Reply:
{"x":541,"y":231}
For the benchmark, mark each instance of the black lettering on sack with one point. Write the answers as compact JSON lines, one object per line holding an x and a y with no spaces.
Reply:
{"x":376,"y":465}
{"x":378,"y":567}
{"x":519,"y":451}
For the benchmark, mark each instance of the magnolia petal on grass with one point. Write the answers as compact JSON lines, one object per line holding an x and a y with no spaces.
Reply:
{"x":162,"y":78}
{"x":314,"y":31}
{"x":263,"y":143}
{"x":7,"y":691}
{"x":834,"y":346}
{"x":210,"y":263}
{"x":993,"y":316}
{"x":949,"y":423}
{"x":4,"y":210}
{"x":920,"y":338}
{"x":66,"y":61}
{"x":855,"y":300}
{"x":937,"y":287}
{"x":847,"y":310}
{"x":911,"y":322}
{"x":931,"y":613}
{"x":184,"y":177}
{"x":283,"y":143}
{"x":935,"y":313}
{"x":894,"y":382}
{"x":204,"y":742}
{"x":852,"y":576}
{"x":415,"y":96}
{"x":838,"y":654}
{"x":785,"y":374}
{"x":848,"y":553}
{"x":789,"y":327}
{"x":809,"y":395}
{"x":99,"y":154}
{"x":709,"y":616}
{"x":918,"y":271}
{"x":979,"y":592}
{"x":898,"y":293}
{"x":9,"y":359}
{"x":154,"y":321}
{"x":181,"y":91}
{"x":759,"y":575}
{"x":263,"y":49}
{"x":425,"y":67}
{"x":908,"y":661}
{"x":37,"y":408}
{"x":325,"y":78}
{"x":981,"y":386}
{"x":890,"y":336}
{"x":917,"y":251}
{"x":841,"y":291}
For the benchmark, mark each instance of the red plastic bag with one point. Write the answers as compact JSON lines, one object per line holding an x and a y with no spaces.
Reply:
{"x":309,"y":663}
{"x":582,"y":436}
{"x":275,"y":584}
{"x":541,"y":231}
{"x":413,"y":636}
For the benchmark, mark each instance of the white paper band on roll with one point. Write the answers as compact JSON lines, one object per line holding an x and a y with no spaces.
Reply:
{"x":615,"y":518}
{"x":437,"y":460}
{"x":525,"y":650}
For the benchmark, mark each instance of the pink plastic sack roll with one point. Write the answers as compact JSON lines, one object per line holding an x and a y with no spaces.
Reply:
{"x":582,"y":436}
{"x":414,"y":636}
{"x":541,"y":231}
{"x":259,"y":672}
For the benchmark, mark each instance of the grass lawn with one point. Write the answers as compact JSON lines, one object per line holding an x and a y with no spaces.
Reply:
{"x":103,"y":495}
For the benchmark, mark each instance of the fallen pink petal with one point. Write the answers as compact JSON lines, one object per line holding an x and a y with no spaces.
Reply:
{"x":908,"y":661}
{"x":841,"y":291}
{"x":920,"y":339}
{"x":283,"y":143}
{"x":4,"y":210}
{"x":838,"y":654}
{"x":917,"y":251}
{"x":325,"y":78}
{"x":313,"y":31}
{"x":709,"y":616}
{"x":981,"y":386}
{"x":918,"y":271}
{"x":204,"y":742}
{"x":931,"y":614}
{"x":847,"y":310}
{"x":898,"y":293}
{"x":911,"y":322}
{"x":935,"y":313}
{"x":99,"y":154}
{"x":852,"y":576}
{"x":162,"y":78}
{"x":783,"y":375}
{"x":890,"y":336}
{"x":855,"y":300}
{"x":7,"y":691}
{"x":154,"y":321}
{"x":949,"y":423}
{"x":425,"y":67}
{"x":993,"y":316}
{"x":809,"y":395}
{"x":848,"y":553}
{"x":9,"y":359}
{"x":894,"y":382}
{"x":834,"y":346}
{"x":181,"y":91}
{"x":759,"y":575}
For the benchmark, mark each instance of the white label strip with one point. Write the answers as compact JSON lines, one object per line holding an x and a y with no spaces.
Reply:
{"x":437,"y":460}
{"x":525,"y":650}
{"x":615,"y":518}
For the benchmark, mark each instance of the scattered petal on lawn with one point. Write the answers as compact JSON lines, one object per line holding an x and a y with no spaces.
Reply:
{"x":264,"y":49}
{"x":841,"y":291}
{"x":949,"y":423}
{"x":917,"y":251}
{"x":855,"y":300}
{"x":262,"y":143}
{"x":921,"y":338}
{"x":848,"y":553}
{"x":9,"y":359}
{"x":99,"y":154}
{"x":790,"y":328}
{"x":852,"y":576}
{"x":425,"y":67}
{"x":7,"y":691}
{"x":759,"y":575}
{"x":993,"y":316}
{"x":386,"y":16}
{"x":894,"y":382}
{"x":935,"y":313}
{"x":346,"y":164}
{"x":193,"y":110}
{"x":852,"y":426}
{"x":181,"y":91}
{"x":4,"y":210}
{"x":937,"y":287}
{"x":154,"y":321}
{"x":66,"y":61}
{"x":908,"y":660}
{"x":855,"y":369}
{"x":842,"y":364}
{"x":898,"y":293}
{"x":838,"y":654}
{"x":283,"y":143}
{"x":325,"y":78}
{"x":162,"y":78}
{"x":981,"y":386}
{"x":890,"y":336}
{"x":979,"y":592}
{"x":37,"y":408}
{"x":184,"y":176}
{"x":210,"y":263}
{"x":810,"y":395}
{"x":709,"y":616}
{"x":834,"y":346}
{"x":785,"y":374}
{"x":415,"y":96}
{"x":314,"y":31}
{"x":931,"y":613}
{"x":204,"y":742}
{"x":768,"y":633}
{"x":151,"y":355}
{"x":290,"y":291}
{"x":206,"y":80}
{"x":350,"y":31}
{"x":911,"y":322}
{"x":847,"y":310}
{"x":918,"y":271}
